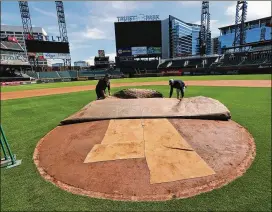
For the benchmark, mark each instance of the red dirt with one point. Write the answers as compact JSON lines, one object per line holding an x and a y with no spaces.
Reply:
{"x":225,"y":146}
{"x":51,"y":91}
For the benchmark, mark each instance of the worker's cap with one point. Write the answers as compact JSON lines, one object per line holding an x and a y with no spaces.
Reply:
{"x":171,"y":81}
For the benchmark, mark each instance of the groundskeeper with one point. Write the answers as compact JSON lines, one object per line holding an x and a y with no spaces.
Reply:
{"x":101,"y":87}
{"x":179,"y":85}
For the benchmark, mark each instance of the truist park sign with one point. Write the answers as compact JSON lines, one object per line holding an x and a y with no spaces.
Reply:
{"x":140,"y":17}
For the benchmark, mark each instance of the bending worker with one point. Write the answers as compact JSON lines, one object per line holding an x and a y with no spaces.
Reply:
{"x":180,"y":88}
{"x":101,"y":87}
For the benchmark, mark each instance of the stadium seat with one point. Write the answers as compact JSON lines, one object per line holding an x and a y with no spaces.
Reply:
{"x":49,"y":75}
{"x":64,"y":74}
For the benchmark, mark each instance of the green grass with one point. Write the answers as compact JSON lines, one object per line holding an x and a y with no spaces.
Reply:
{"x":127,"y":80}
{"x":25,"y":121}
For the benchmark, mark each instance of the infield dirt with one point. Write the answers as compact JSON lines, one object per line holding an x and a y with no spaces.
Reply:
{"x":52,"y":91}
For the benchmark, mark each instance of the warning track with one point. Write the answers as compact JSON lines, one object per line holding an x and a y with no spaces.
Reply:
{"x":52,"y":91}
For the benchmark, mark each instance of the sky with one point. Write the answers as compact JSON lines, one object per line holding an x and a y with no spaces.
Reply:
{"x":90,"y":24}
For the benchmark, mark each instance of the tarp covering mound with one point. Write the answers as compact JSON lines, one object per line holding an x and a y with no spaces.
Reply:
{"x":194,"y":108}
{"x":134,"y":93}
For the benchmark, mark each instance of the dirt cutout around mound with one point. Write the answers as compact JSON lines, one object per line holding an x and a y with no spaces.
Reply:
{"x":134,"y":93}
{"x":225,"y":146}
{"x":195,"y":107}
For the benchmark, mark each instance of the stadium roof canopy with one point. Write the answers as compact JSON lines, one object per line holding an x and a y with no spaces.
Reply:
{"x":11,"y":46}
{"x":267,"y":19}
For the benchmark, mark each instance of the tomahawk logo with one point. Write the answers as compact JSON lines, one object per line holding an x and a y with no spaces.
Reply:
{"x":120,"y":51}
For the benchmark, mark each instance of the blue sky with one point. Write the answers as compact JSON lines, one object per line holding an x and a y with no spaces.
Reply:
{"x":90,"y":24}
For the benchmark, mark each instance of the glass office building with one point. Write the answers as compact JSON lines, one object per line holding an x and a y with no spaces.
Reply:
{"x":253,"y":32}
{"x":179,"y":38}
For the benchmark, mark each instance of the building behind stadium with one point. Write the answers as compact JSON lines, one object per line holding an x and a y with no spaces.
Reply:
{"x":140,"y":44}
{"x":255,"y":29}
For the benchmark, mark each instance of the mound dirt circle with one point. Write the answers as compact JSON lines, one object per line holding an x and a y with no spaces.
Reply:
{"x":225,"y":146}
{"x":134,"y":93}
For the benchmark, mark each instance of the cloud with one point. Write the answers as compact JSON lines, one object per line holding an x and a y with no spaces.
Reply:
{"x":44,"y":12}
{"x":255,"y":10}
{"x":100,"y":24}
{"x":94,"y":34}
{"x":214,"y":25}
{"x":52,"y":30}
{"x":99,"y":19}
{"x":191,"y":3}
{"x":72,"y":26}
{"x":74,"y":46}
{"x":124,"y":5}
{"x":112,"y":56}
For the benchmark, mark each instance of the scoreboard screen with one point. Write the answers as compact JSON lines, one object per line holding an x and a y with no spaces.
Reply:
{"x":47,"y":46}
{"x":138,"y":34}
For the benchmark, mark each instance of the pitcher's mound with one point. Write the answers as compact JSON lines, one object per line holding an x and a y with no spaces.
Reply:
{"x":144,"y":159}
{"x":134,"y":93}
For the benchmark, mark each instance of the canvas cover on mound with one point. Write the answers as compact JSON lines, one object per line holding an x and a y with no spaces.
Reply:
{"x":195,"y":107}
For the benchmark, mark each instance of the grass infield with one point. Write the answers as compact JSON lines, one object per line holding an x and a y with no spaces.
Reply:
{"x":26,"y":121}
{"x":127,"y":80}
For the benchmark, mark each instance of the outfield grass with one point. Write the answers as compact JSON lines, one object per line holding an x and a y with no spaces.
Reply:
{"x":127,"y":80}
{"x":25,"y":121}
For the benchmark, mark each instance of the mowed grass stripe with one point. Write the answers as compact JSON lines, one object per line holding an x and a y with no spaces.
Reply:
{"x":127,"y":80}
{"x":25,"y":121}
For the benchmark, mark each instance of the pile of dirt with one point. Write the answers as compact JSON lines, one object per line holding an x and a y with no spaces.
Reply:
{"x":133,"y":93}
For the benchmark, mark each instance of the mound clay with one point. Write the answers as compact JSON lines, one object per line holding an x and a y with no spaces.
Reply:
{"x":133,"y":93}
{"x":145,"y":159}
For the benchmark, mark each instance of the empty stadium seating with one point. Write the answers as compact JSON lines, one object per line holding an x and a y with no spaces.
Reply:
{"x":258,"y":59}
{"x":48,"y":75}
{"x":32,"y":74}
{"x":11,"y":46}
{"x":177,"y":64}
{"x":73,"y":74}
{"x":231,"y":60}
{"x":64,"y":74}
{"x":194,"y":63}
{"x":209,"y":62}
{"x":85,"y":74}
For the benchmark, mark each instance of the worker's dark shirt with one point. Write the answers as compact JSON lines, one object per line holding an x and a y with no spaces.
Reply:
{"x":103,"y":84}
{"x":178,"y":84}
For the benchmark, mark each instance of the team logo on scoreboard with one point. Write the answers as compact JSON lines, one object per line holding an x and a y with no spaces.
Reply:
{"x":124,"y":52}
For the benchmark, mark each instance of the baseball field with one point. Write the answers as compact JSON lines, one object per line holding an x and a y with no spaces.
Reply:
{"x":29,"y":112}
